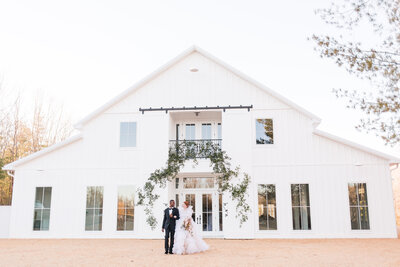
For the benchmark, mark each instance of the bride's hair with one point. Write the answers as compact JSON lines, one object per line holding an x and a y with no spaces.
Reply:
{"x":186,"y":203}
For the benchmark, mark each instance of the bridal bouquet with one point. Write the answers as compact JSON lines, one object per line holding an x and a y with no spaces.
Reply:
{"x":187,"y":225}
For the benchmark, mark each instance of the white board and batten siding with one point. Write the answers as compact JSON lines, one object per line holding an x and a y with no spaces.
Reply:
{"x":299,"y":155}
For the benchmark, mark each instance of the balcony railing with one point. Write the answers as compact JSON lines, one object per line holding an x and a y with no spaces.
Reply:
{"x":195,"y":148}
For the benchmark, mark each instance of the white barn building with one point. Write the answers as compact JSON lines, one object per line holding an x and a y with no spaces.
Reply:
{"x":305,"y":183}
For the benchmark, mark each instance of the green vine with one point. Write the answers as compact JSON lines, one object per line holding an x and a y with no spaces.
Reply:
{"x":190,"y":150}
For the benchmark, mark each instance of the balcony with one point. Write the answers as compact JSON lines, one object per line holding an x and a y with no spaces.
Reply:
{"x":201,"y":148}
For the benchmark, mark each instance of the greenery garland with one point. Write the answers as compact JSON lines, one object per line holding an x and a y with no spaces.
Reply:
{"x":178,"y":154}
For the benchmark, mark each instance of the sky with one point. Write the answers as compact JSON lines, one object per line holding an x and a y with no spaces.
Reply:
{"x":83,"y":53}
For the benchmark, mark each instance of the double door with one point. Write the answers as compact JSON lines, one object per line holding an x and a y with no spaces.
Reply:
{"x":207,"y":211}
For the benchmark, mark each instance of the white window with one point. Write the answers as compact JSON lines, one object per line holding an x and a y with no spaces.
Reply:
{"x":206,"y":131}
{"x":127,"y":134}
{"x":94,"y":208}
{"x":264,"y":131}
{"x":41,"y":218}
{"x":126,"y":208}
{"x":190,"y":131}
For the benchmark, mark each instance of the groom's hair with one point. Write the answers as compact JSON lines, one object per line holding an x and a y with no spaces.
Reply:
{"x":171,"y":200}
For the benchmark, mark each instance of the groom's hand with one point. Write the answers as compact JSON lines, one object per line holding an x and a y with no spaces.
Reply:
{"x":162,"y":230}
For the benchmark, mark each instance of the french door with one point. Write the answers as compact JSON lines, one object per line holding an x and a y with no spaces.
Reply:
{"x":207,"y":210}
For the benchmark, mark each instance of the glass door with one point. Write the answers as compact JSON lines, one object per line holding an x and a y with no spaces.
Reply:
{"x":204,"y":215}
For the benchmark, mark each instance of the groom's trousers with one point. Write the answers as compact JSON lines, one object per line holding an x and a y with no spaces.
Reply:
{"x":169,"y":234}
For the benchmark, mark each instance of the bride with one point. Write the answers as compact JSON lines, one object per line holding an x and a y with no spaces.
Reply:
{"x":187,"y":239}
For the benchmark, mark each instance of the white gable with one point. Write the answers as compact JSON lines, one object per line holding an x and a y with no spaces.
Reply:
{"x":215,"y":83}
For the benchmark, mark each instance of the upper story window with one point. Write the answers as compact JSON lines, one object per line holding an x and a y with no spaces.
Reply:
{"x":264,"y":131}
{"x":206,"y":131}
{"x":358,"y":206}
{"x":190,"y":131}
{"x":127,"y":134}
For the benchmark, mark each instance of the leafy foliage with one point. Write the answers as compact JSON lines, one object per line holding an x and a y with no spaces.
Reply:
{"x":377,"y":61}
{"x":189,"y":150}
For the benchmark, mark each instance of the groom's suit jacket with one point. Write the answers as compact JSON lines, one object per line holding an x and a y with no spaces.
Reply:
{"x":167,"y":221}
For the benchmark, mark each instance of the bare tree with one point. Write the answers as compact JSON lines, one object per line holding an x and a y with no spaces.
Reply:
{"x":376,"y":58}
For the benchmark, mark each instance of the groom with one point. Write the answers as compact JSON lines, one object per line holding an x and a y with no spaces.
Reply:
{"x":171,"y":214}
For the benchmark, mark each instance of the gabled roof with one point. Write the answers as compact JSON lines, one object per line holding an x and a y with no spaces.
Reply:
{"x":12,"y":165}
{"x":391,"y":158}
{"x":185,"y":53}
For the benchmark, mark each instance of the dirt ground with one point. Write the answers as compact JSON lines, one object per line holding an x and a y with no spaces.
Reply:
{"x":266,"y":252}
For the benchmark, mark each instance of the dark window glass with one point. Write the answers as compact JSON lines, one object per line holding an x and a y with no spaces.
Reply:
{"x":359,"y":217}
{"x":301,"y":214}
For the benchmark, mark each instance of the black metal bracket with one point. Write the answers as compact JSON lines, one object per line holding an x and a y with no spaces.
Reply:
{"x":196,"y":108}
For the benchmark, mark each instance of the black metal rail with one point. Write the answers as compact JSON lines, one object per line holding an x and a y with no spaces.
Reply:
{"x":196,"y":108}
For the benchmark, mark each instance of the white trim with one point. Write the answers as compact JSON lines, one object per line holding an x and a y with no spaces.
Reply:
{"x":390,"y":158}
{"x":166,"y":66}
{"x":12,"y":165}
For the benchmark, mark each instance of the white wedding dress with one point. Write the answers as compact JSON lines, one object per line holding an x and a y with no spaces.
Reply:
{"x":187,"y":242}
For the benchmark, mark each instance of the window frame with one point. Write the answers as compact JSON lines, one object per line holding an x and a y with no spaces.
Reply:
{"x":125,"y":208}
{"x":94,"y":208}
{"x":301,"y":206}
{"x":276,"y":209}
{"x":358,"y":207}
{"x":119,"y":135}
{"x":274,"y":131}
{"x":34,"y":209}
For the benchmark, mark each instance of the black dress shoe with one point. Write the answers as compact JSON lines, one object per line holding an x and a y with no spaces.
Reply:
{"x":171,"y":252}
{"x":166,"y":252}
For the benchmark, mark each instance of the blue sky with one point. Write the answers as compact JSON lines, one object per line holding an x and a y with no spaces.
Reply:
{"x":83,"y":53}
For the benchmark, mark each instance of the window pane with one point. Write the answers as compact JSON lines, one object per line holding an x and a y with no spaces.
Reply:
{"x":296,"y":218}
{"x":45,"y":219}
{"x":271,"y":194}
{"x":47,"y":197}
{"x":304,"y":195}
{"x":190,"y":132}
{"x":264,"y":131}
{"x":126,"y":207}
{"x":191,"y":198}
{"x":99,"y":197}
{"x":121,"y":219}
{"x":295,"y":194}
{"x":90,"y":195}
{"x":354,"y":217}
{"x":98,"y":219}
{"x":177,"y":199}
{"x":305,"y":218}
{"x":272,"y":225}
{"x":37,"y":219}
{"x":362,"y":194}
{"x":364,"y":218}
{"x":39,"y":197}
{"x":352,"y":195}
{"x":129,"y":220}
{"x":89,"y":219}
{"x":127,"y":134}
{"x":198,"y":182}
{"x":206,"y":131}
{"x":219,"y":131}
